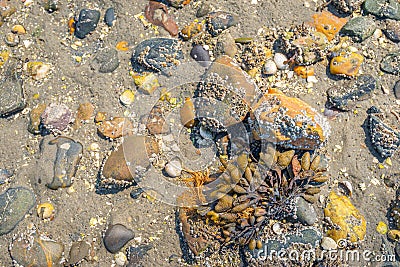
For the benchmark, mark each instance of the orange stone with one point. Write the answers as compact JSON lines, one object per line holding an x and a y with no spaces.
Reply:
{"x":115,"y":128}
{"x":304,"y":71}
{"x":346,"y":64}
{"x":328,"y":24}
{"x":122,"y":46}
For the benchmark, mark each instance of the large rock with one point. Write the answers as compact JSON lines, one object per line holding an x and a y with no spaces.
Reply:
{"x":359,"y":28}
{"x":383,"y":8}
{"x":14,"y":204}
{"x":289,"y":122}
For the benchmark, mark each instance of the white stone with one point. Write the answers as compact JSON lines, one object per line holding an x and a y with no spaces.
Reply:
{"x":270,"y":68}
{"x":280,"y":61}
{"x":173,"y":168}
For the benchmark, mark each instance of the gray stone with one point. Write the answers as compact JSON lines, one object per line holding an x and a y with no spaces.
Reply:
{"x":347,"y":6}
{"x":79,"y":250}
{"x":203,"y":10}
{"x":219,"y":21}
{"x":383,"y":8}
{"x":392,"y":30}
{"x":51,"y":5}
{"x":201,"y":55}
{"x":391,"y":63}
{"x":14,"y":204}
{"x":106,"y":60}
{"x":396,"y":90}
{"x":225,"y":45}
{"x":359,"y":28}
{"x":87,"y":22}
{"x":305,"y":212}
{"x":116,"y":237}
{"x":345,"y":97}
{"x":11,"y":92}
{"x":109,"y":17}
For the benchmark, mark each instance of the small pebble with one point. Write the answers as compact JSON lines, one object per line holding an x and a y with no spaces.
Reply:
{"x":56,"y":117}
{"x":281,"y":61}
{"x":120,"y":259}
{"x":174,"y":168}
{"x":45,"y":211}
{"x":305,"y":212}
{"x":328,"y":243}
{"x":270,"y":68}
{"x":106,"y":60}
{"x":79,"y":250}
{"x":86,"y":23}
{"x":115,"y":128}
{"x":109,"y":17}
{"x":127,"y":97}
{"x":396,"y":90}
{"x":116,"y":237}
{"x":201,"y":55}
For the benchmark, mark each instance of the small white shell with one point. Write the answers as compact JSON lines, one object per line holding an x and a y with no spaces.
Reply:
{"x":280,"y":61}
{"x":173,"y":168}
{"x":270,"y":68}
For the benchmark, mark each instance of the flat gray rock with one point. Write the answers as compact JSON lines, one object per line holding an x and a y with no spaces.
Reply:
{"x":11,"y":93}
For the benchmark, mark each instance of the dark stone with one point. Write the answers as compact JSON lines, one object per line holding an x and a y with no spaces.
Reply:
{"x":136,"y":254}
{"x":201,"y":55}
{"x":345,"y":97}
{"x":219,"y":21}
{"x":392,"y":30}
{"x":157,"y":54}
{"x":14,"y":204}
{"x":203,"y":10}
{"x":305,"y":212}
{"x":106,"y":61}
{"x":87,"y":22}
{"x":79,"y":250}
{"x":116,"y":237}
{"x":359,"y":28}
{"x":51,"y":5}
{"x":383,"y":8}
{"x":347,"y":6}
{"x":109,"y":17}
{"x":11,"y":93}
{"x":384,"y":138}
{"x":391,"y":63}
{"x":136,"y":193}
{"x":396,"y":90}
{"x":5,"y":175}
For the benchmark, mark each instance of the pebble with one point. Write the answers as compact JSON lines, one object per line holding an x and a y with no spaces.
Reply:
{"x":359,"y":28}
{"x":85,"y":112}
{"x":178,"y":3}
{"x":281,"y":61}
{"x":147,"y":83}
{"x":391,"y":63}
{"x":136,"y":193}
{"x":37,"y":70}
{"x":347,"y":6}
{"x":87,"y":22}
{"x":56,"y":117}
{"x":225,"y":45}
{"x":347,"y":221}
{"x":79,"y":250}
{"x":328,"y":24}
{"x":383,"y":8}
{"x":187,"y":113}
{"x":270,"y":68}
{"x":305,"y":212}
{"x":219,"y":21}
{"x":11,"y":39}
{"x":5,"y":175}
{"x":396,"y":90}
{"x":116,"y":237}
{"x":18,"y":29}
{"x":34,"y":118}
{"x":12,"y":96}
{"x":296,"y":124}
{"x":348,"y":95}
{"x":328,"y":243}
{"x":120,"y":259}
{"x":157,"y":54}
{"x":156,"y":123}
{"x":392,"y":30}
{"x":203,"y":10}
{"x":51,"y":5}
{"x":37,"y":252}
{"x":201,"y":55}
{"x":191,"y":30}
{"x":106,"y":61}
{"x":15,"y":203}
{"x":174,"y":168}
{"x":127,"y":97}
{"x":157,"y":14}
{"x":109,"y":17}
{"x":384,"y":138}
{"x":45,"y":211}
{"x":347,"y":64}
{"x":115,"y":128}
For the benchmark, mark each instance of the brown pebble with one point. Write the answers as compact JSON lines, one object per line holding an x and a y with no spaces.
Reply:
{"x":115,"y":128}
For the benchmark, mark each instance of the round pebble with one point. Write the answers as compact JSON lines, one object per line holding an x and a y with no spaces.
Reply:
{"x":109,"y":17}
{"x":328,"y":243}
{"x":270,"y":68}
{"x":116,"y":237}
{"x":396,"y":89}
{"x":120,"y":259}
{"x":127,"y":97}
{"x":201,"y":55}
{"x":280,"y":61}
{"x":305,"y":212}
{"x":174,"y":168}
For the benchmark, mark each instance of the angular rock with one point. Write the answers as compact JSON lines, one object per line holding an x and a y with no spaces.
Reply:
{"x":383,"y":8}
{"x":56,"y":117}
{"x":384,"y":138}
{"x":34,"y":118}
{"x":225,"y":45}
{"x":157,"y":54}
{"x":345,"y":97}
{"x":116,"y":237}
{"x":79,"y":250}
{"x":347,"y":6}
{"x":106,"y":61}
{"x":87,"y":22}
{"x":36,"y":252}
{"x":359,"y":28}
{"x":289,"y":122}
{"x":219,"y":21}
{"x":203,"y":10}
{"x":156,"y":123}
{"x":392,"y":30}
{"x":347,"y":221}
{"x":157,"y":14}
{"x":11,"y":93}
{"x":14,"y":204}
{"x":305,"y":212}
{"x":391,"y":63}
{"x":58,"y":162}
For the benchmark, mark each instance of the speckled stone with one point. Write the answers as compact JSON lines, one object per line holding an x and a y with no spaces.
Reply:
{"x":359,"y":28}
{"x":106,"y":60}
{"x":392,"y":30}
{"x":305,"y":212}
{"x":383,"y":8}
{"x":391,"y":63}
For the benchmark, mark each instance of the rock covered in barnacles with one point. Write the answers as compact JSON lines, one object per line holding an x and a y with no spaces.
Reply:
{"x":346,"y":97}
{"x":157,"y":54}
{"x":347,"y":221}
{"x":224,"y":81}
{"x":384,"y":138}
{"x":219,"y":21}
{"x":347,"y":6}
{"x":290,"y":122}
